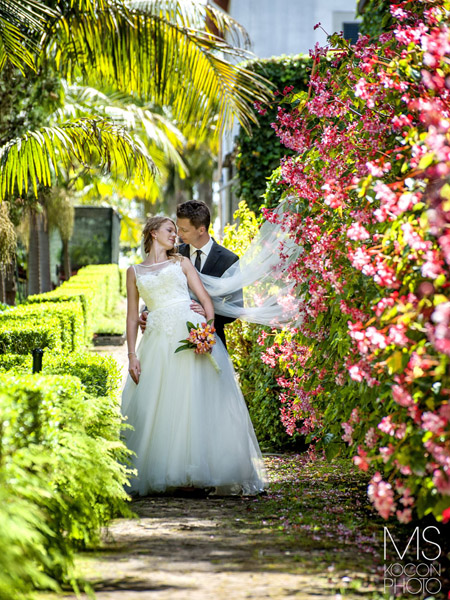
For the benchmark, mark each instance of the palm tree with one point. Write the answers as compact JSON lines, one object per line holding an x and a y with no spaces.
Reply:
{"x":21,"y":27}
{"x":159,"y":50}
{"x":170,"y":53}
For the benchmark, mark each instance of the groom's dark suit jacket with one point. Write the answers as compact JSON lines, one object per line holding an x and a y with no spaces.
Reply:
{"x":218,"y":261}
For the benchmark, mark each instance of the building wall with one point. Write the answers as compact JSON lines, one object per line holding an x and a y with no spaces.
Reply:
{"x":276,"y":27}
{"x":287,"y":26}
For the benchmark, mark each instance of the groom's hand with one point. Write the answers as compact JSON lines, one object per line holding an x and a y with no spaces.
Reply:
{"x":198,"y":308}
{"x":143,"y":320}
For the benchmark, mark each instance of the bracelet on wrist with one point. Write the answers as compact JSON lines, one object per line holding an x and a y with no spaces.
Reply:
{"x":129,"y":353}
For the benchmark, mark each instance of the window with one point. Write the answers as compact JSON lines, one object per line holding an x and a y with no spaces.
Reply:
{"x":351,"y":31}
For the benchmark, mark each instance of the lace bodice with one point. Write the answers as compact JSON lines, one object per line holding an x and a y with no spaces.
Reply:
{"x":164,"y":289}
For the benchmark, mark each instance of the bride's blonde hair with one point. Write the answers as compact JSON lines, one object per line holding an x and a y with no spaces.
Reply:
{"x":153,"y":224}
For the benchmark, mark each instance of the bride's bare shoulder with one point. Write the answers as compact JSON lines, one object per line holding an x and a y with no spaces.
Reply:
{"x":185,"y":263}
{"x":178,"y":258}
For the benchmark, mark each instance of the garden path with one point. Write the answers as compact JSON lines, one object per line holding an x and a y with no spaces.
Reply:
{"x":311,"y":536}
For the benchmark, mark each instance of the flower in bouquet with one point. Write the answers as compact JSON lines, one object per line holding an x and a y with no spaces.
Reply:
{"x":201,"y":339}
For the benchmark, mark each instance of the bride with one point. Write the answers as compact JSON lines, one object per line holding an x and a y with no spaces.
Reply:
{"x":190,"y":424}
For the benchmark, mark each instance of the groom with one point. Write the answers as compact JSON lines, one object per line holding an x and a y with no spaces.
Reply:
{"x":208,"y":257}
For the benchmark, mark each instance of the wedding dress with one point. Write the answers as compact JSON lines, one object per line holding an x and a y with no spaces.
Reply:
{"x":190,"y":423}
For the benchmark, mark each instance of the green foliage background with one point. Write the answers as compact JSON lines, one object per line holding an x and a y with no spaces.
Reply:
{"x":258,"y":381}
{"x":257,"y":156}
{"x":376,"y":18}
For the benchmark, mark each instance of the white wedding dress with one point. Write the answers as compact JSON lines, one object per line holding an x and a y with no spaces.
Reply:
{"x":190,"y":423}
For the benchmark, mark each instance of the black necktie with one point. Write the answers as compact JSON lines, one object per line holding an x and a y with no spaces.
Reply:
{"x":198,"y":260}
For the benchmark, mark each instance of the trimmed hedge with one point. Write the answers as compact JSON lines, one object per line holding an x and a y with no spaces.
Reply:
{"x":61,"y":478}
{"x":65,"y":318}
{"x":62,"y":463}
{"x":100,"y":375}
{"x":96,"y":288}
{"x":21,"y":337}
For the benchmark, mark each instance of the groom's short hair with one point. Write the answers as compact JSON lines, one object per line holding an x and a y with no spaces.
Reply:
{"x":196,"y":211}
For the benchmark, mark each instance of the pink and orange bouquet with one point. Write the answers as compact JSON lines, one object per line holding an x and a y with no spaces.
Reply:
{"x":201,"y":339}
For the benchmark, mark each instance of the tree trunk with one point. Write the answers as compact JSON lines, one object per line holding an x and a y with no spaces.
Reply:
{"x":44,"y":240}
{"x":204,"y":189}
{"x":34,"y":252}
{"x":38,"y":256}
{"x":66,"y":260}
{"x":10,"y":284}
{"x":2,"y":284}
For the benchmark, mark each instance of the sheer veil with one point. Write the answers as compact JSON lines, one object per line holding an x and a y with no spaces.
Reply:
{"x":258,"y":287}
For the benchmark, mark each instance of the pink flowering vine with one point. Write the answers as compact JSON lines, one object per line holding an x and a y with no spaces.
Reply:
{"x":368,"y":201}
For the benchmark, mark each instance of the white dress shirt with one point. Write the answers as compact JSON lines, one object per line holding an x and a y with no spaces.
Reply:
{"x":206,"y":249}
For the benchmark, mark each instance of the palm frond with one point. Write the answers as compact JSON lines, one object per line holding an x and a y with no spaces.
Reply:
{"x":163,"y":140}
{"x":196,"y":15}
{"x":22,"y":24}
{"x":151,"y":50}
{"x":35,"y":156}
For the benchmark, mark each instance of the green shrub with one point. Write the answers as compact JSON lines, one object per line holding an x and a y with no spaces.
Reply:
{"x":69,"y":316}
{"x":62,"y":474}
{"x":123,"y":282}
{"x":113,"y":323}
{"x":22,"y":338}
{"x":96,"y":288}
{"x":259,"y":386}
{"x":258,"y":381}
{"x":376,"y":18}
{"x":100,"y":375}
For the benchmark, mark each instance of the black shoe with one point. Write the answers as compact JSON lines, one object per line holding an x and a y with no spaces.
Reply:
{"x":191,"y":492}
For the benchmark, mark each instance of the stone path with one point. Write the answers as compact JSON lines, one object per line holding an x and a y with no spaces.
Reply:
{"x":235,"y":548}
{"x":211,"y":549}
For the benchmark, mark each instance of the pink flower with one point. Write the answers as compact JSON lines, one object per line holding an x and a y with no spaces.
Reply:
{"x":433,"y":422}
{"x":432,"y":267}
{"x":441,"y":482}
{"x":381,"y":494}
{"x":361,"y":460}
{"x":357,"y":232}
{"x":405,"y":515}
{"x":444,"y":411}
{"x":347,"y":436}
{"x":371,"y":437}
{"x":356,"y":373}
{"x":397,"y":335}
{"x":387,"y":426}
{"x":376,"y":338}
{"x":401,"y":396}
{"x":355,"y":417}
{"x":413,"y":239}
{"x":386,"y":452}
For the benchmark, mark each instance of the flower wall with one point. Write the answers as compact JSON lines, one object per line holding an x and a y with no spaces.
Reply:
{"x":368,"y":194}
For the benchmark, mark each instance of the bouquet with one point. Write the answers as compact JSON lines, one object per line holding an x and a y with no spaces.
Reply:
{"x":201,"y":338}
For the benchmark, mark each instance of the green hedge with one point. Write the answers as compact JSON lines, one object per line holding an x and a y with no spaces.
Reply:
{"x":376,"y":18}
{"x":66,"y":318}
{"x":100,"y":375}
{"x":61,"y":477}
{"x":21,"y":337}
{"x":96,"y":288}
{"x":259,"y":154}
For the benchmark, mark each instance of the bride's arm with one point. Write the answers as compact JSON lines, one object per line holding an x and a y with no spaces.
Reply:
{"x":195,"y":284}
{"x":134,"y":367}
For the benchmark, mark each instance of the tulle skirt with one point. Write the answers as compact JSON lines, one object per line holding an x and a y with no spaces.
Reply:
{"x":190,"y":423}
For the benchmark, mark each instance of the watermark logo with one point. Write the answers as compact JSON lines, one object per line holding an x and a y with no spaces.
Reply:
{"x":413,"y":576}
